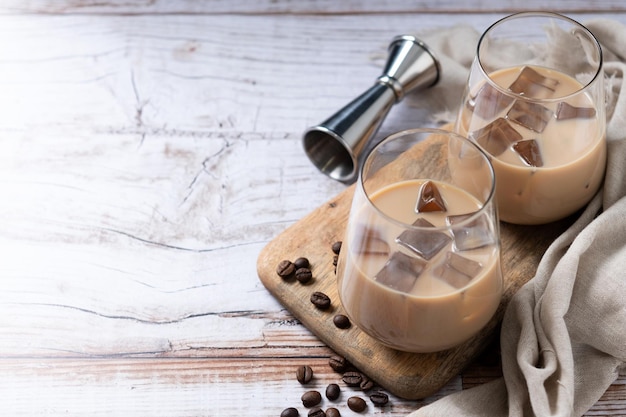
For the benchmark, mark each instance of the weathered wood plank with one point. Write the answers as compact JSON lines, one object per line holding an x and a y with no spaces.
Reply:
{"x":172,"y":387}
{"x":112,"y":386}
{"x":300,"y":7}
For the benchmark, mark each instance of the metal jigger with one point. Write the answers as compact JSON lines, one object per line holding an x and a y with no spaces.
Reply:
{"x":335,"y":146}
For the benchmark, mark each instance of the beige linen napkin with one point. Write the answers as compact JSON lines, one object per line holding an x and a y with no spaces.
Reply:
{"x":563,"y":336}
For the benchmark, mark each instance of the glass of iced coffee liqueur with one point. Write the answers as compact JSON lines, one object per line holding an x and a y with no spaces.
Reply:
{"x":535,"y":102}
{"x":419,"y":269}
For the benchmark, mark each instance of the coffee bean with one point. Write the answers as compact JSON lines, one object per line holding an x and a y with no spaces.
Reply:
{"x":320,"y":300}
{"x":336,"y":247}
{"x":332,"y":392}
{"x":352,"y":378}
{"x":317,"y":412}
{"x":338,"y":363}
{"x":290,"y":412}
{"x":332,"y":412}
{"x":311,"y":399}
{"x":341,"y":321}
{"x":379,"y":399}
{"x":285,"y":269}
{"x":304,"y":275}
{"x":301,"y":263}
{"x":304,"y":374}
{"x":366,"y":384}
{"x":357,"y":404}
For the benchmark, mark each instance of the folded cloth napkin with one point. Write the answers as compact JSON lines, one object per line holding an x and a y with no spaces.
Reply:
{"x":563,"y":336}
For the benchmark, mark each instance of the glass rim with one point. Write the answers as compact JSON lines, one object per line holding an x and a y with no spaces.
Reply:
{"x":490,"y":200}
{"x":550,"y":15}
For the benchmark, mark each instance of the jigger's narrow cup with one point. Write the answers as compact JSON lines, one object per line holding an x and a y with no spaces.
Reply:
{"x":419,"y":269}
{"x":535,"y":101}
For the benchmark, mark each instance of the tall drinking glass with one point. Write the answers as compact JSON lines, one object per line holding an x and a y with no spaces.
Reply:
{"x":535,"y":101}
{"x":419,"y":268}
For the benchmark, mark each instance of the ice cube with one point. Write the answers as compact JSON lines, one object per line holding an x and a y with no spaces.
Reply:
{"x":370,"y":242}
{"x":422,"y":222}
{"x":534,"y":116}
{"x":496,"y":137}
{"x":489,"y":102}
{"x":401,"y":271}
{"x":457,"y":270}
{"x":529,"y":151}
{"x":429,"y":198}
{"x":426,"y":243}
{"x":472,"y":235}
{"x":566,"y":111}
{"x":532,"y":84}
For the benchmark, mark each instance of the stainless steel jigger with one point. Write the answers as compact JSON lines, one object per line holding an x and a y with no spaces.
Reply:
{"x":335,"y":146}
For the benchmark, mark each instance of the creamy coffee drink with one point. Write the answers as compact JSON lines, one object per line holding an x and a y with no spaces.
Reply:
{"x":427,"y":287}
{"x":546,"y":137}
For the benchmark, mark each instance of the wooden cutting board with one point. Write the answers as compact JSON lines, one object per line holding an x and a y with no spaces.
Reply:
{"x":407,"y":375}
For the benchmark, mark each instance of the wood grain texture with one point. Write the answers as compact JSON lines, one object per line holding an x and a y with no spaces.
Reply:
{"x":301,"y":7}
{"x":149,"y":151}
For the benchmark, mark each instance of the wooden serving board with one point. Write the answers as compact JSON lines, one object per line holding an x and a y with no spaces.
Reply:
{"x":407,"y":375}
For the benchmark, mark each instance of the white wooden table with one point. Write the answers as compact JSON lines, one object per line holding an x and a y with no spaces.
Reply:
{"x":148,"y":152}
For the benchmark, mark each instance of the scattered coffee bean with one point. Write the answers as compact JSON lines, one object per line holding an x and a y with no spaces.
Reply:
{"x":352,"y":378}
{"x":338,"y":363}
{"x":320,"y":300}
{"x":304,"y":275}
{"x":366,"y":384}
{"x":336,"y":247}
{"x":341,"y":321}
{"x":332,"y":412}
{"x":332,"y":392}
{"x":301,"y":263}
{"x":379,"y":399}
{"x":304,"y":374}
{"x":357,"y":404}
{"x":317,"y":412}
{"x":290,"y":412}
{"x":311,"y":399}
{"x":285,"y":269}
